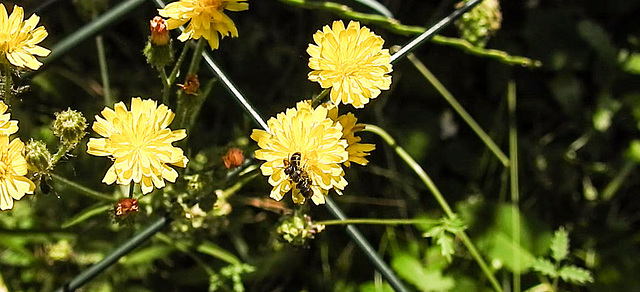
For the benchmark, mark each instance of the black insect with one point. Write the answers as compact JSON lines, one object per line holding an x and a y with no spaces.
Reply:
{"x":300,"y":177}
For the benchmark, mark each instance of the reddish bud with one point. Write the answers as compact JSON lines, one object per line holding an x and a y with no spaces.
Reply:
{"x":159,"y":32}
{"x":233,"y":158}
{"x":191,"y":84}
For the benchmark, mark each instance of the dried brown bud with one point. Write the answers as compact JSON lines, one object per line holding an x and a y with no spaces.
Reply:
{"x":191,"y":84}
{"x":233,"y":158}
{"x":159,"y":32}
{"x":126,"y":206}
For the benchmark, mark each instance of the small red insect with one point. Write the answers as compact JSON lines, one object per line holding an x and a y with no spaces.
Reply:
{"x":126,"y":206}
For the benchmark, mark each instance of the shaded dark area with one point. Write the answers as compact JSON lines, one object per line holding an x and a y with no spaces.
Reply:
{"x":577,"y":116}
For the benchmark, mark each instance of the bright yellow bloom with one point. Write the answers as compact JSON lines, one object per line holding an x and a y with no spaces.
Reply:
{"x":319,"y":141}
{"x":19,"y":39}
{"x":139,"y":142}
{"x":7,"y":126}
{"x":13,"y":168}
{"x":357,"y":151}
{"x":351,"y":61}
{"x":207,"y":18}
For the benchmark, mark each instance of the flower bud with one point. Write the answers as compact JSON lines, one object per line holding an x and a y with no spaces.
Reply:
{"x":159,"y":32}
{"x":37,"y":156}
{"x":69,"y":127}
{"x":233,"y":158}
{"x":297,"y":229}
{"x":479,"y":24}
{"x":191,"y":84}
{"x":158,"y":50}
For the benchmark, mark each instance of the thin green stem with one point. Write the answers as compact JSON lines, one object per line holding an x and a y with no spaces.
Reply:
{"x":237,"y":186}
{"x":176,"y":68}
{"x":132,"y":186}
{"x":438,"y":196}
{"x":513,"y":174}
{"x":104,"y":71}
{"x":187,"y":105}
{"x":316,"y":101}
{"x":81,"y":189}
{"x":185,"y":249}
{"x":166,"y":86}
{"x":8,"y":84}
{"x":197,"y":57}
{"x":375,"y":221}
{"x":459,"y":109}
{"x":615,"y":184}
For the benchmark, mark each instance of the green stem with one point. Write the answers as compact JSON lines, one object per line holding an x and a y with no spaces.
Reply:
{"x":132,"y":186}
{"x":513,"y":174}
{"x":459,"y":109}
{"x":375,"y":221}
{"x":62,"y":150}
{"x":8,"y":84}
{"x":316,"y":101}
{"x":81,"y":189}
{"x":104,"y":71}
{"x":166,"y":86}
{"x":185,"y":249}
{"x":186,"y":104}
{"x":438,"y":196}
{"x":197,"y":57}
{"x":176,"y":68}
{"x":237,"y":186}
{"x":613,"y":186}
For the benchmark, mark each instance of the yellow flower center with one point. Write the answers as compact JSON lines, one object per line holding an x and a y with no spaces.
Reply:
{"x":349,"y":67}
{"x":4,"y":169}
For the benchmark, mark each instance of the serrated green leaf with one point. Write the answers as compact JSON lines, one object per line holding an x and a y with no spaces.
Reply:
{"x":560,"y":245}
{"x":575,"y":275}
{"x":454,"y":225}
{"x":411,"y":269}
{"x":545,"y":267}
{"x":447,"y":246}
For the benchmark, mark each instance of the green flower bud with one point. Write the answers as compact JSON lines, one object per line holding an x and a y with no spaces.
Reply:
{"x":38,"y":157}
{"x":297,"y":229}
{"x":159,"y":49}
{"x":479,"y":24}
{"x":69,"y":126}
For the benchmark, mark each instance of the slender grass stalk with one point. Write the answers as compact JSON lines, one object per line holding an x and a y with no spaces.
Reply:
{"x":128,"y":246}
{"x":438,"y":196}
{"x":513,"y":174}
{"x":91,"y":29}
{"x":459,"y":109}
{"x":82,"y":189}
{"x":613,"y":186}
{"x":376,"y":221}
{"x":104,"y":72}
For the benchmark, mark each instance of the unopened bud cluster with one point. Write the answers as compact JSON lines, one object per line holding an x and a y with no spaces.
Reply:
{"x":479,"y":24}
{"x":69,"y":127}
{"x":38,"y":157}
{"x":298,"y":229}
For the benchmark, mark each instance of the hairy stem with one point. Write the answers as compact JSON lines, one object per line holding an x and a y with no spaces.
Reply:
{"x":104,"y":72}
{"x":82,"y":189}
{"x":513,"y":174}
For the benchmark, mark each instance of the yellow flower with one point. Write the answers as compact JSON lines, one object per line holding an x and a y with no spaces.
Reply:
{"x":357,"y":151}
{"x":139,"y":142}
{"x":19,"y":39}
{"x":13,"y":168}
{"x":207,"y":18}
{"x":7,"y":126}
{"x":351,"y":61}
{"x":318,"y":140}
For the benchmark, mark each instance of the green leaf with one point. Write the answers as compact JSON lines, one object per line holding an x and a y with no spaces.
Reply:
{"x":632,"y":64}
{"x":560,"y":245}
{"x":633,"y":152}
{"x":86,"y":214}
{"x":545,"y":267}
{"x":411,"y":269}
{"x":447,"y":246}
{"x":504,"y":249}
{"x":146,"y":255}
{"x":575,"y":275}
{"x":598,"y":38}
{"x":372,"y":287}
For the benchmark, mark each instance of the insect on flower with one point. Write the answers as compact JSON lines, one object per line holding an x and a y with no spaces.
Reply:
{"x":126,"y":206}
{"x":297,"y":174}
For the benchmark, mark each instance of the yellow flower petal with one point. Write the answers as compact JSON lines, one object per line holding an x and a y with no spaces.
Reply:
{"x":140,"y":144}
{"x":13,"y":168}
{"x":19,"y":39}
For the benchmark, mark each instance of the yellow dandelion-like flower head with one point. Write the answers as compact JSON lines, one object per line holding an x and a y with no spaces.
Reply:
{"x":357,"y":151}
{"x":13,"y":168}
{"x":139,"y":142}
{"x":316,"y":138}
{"x":206,"y":17}
{"x":351,"y":61}
{"x":7,"y":125}
{"x":19,"y":39}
